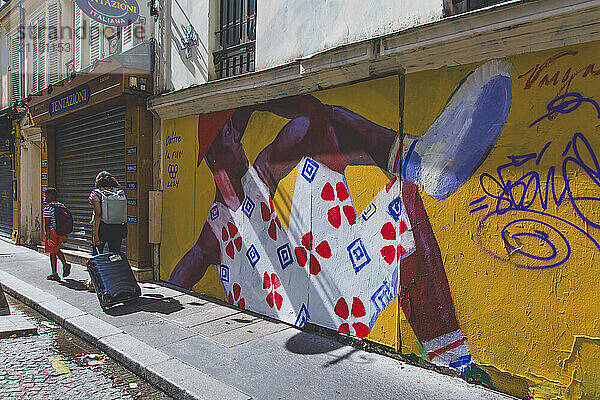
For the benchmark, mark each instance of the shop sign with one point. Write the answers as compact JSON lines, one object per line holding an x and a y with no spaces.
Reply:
{"x":70,"y":100}
{"x":111,"y":12}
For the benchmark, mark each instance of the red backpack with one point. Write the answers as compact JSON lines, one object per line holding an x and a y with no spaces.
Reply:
{"x":64,"y":220}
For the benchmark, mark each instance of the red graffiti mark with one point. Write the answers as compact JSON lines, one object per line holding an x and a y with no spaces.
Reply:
{"x":541,"y":75}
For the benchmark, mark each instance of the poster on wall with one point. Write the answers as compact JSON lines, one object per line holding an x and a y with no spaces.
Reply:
{"x":111,"y":12}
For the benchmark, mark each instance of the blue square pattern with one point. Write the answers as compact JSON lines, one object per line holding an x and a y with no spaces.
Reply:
{"x":285,"y":256}
{"x":309,"y":170}
{"x":303,"y":316}
{"x":214,"y":212}
{"x":395,"y":208}
{"x":248,"y":207}
{"x":224,"y":273}
{"x":358,"y":255}
{"x":384,"y":295}
{"x":253,"y":255}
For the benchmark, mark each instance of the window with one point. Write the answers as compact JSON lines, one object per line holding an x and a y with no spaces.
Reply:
{"x":95,"y":41}
{"x":459,"y":6}
{"x":78,"y":38}
{"x":127,"y":38}
{"x":38,"y":53}
{"x":16,"y":81}
{"x":236,"y":37}
{"x":53,"y":50}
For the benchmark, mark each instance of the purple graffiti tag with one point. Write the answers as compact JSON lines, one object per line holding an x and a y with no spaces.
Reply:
{"x":519,"y":197}
{"x":565,"y":104}
{"x":592,"y":172}
{"x":560,"y":252}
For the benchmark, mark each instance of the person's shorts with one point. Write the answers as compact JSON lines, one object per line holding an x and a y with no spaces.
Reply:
{"x":52,"y":244}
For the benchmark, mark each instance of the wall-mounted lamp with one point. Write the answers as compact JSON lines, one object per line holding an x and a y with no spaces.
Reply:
{"x":50,"y":89}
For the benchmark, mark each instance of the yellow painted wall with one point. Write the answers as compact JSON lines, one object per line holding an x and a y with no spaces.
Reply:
{"x":533,"y":326}
{"x":539,"y":324}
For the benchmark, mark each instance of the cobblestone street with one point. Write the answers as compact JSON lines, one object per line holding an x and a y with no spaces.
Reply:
{"x":32,"y":367}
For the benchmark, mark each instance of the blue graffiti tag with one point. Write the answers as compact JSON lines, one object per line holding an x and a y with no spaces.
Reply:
{"x":535,"y":188}
{"x":524,"y":192}
{"x":565,"y":104}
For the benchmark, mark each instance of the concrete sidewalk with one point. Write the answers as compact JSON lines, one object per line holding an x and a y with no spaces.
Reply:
{"x":194,"y":347}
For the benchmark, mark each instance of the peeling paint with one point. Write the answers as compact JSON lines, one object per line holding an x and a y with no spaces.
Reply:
{"x":524,"y":287}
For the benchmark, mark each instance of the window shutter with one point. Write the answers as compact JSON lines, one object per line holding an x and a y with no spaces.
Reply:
{"x":41,"y":38}
{"x":15,"y":67}
{"x":78,"y":38}
{"x":34,"y":57}
{"x":127,"y":38}
{"x":95,"y":38}
{"x":53,"y":35}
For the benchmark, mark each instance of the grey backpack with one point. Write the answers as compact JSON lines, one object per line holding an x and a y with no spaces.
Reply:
{"x":114,"y":206}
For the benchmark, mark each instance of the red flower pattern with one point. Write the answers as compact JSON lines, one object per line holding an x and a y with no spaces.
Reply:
{"x":334,"y":215}
{"x":235,"y":297}
{"x":357,"y":311}
{"x":232,"y":237}
{"x":305,"y":253}
{"x":272,"y":283}
{"x":392,"y":252}
{"x":269,"y":215}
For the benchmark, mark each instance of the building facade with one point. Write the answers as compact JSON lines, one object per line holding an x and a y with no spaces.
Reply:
{"x":419,"y":175}
{"x":77,"y":79}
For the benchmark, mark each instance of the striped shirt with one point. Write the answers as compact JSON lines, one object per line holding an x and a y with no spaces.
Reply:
{"x":49,"y":213}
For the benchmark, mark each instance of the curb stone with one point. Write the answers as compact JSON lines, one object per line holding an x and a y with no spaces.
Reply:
{"x":174,"y":377}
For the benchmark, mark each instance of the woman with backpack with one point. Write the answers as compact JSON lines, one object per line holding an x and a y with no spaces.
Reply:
{"x":106,"y":230}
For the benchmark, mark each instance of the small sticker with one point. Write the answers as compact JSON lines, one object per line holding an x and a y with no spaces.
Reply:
{"x":131,"y":168}
{"x":44,"y":176}
{"x":44,"y":164}
{"x":131,"y":202}
{"x":132,"y":151}
{"x":132,"y":185}
{"x":131,"y":219}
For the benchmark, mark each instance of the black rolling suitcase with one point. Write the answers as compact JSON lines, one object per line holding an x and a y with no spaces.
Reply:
{"x":113,"y":279}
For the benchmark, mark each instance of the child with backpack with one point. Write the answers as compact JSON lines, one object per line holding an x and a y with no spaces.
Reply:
{"x":58,"y":223}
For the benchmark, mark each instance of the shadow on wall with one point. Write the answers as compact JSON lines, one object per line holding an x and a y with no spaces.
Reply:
{"x":197,"y":63}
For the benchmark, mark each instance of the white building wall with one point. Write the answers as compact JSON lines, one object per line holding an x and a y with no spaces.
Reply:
{"x":4,"y":86}
{"x":182,"y":72}
{"x":290,"y":29}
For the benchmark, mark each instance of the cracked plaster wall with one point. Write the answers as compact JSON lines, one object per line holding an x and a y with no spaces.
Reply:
{"x":525,"y":280}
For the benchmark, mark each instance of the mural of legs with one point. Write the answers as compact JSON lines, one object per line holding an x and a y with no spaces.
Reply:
{"x":424,"y":292}
{"x":331,"y":267}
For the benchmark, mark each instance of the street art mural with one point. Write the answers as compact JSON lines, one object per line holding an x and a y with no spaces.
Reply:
{"x":463,"y":237}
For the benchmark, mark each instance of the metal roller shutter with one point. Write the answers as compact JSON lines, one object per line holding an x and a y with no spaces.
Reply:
{"x":85,"y":147}
{"x":6,"y":192}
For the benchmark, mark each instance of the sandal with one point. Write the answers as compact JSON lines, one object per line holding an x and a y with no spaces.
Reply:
{"x":53,"y":277}
{"x":66,"y":270}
